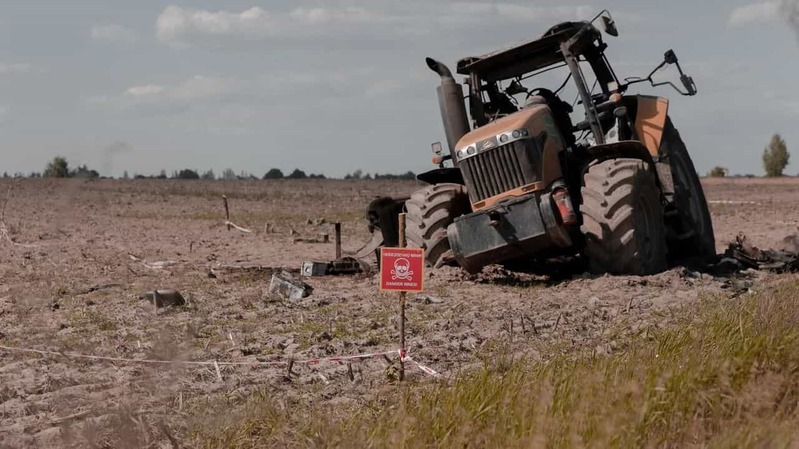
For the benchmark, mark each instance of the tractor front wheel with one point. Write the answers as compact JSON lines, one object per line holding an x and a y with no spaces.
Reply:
{"x":623,"y":218}
{"x":429,"y":212}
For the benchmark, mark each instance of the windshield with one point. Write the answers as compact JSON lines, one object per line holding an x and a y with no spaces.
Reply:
{"x":556,"y":79}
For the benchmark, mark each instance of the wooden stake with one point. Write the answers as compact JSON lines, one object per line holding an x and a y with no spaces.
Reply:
{"x":402,"y":243}
{"x":155,"y":301}
{"x":227,"y":212}
{"x":338,"y":240}
{"x":218,"y":371}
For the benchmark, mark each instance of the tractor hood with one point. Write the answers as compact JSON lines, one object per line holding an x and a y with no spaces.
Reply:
{"x":525,"y":124}
{"x":513,"y":156}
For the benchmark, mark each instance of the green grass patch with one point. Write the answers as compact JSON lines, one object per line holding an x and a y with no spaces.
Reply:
{"x":726,"y":375}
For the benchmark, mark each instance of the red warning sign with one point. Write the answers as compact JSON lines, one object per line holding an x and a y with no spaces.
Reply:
{"x":402,"y":269}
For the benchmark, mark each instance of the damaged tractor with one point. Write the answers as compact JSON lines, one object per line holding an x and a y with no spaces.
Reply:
{"x":528,"y":181}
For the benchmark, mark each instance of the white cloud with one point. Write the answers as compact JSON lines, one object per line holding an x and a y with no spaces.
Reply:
{"x":201,"y":88}
{"x":523,"y":13}
{"x":315,"y":16}
{"x":755,"y":13}
{"x":114,"y":33}
{"x":190,"y":91}
{"x":15,"y":68}
{"x":175,"y":23}
{"x":180,"y":26}
{"x":143,"y":91}
{"x":202,"y":94}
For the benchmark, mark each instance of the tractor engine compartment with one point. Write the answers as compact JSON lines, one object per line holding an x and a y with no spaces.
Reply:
{"x":513,"y":156}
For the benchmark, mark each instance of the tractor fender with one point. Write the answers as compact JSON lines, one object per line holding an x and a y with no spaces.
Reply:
{"x":630,"y":149}
{"x":650,"y":119}
{"x":451,"y":175}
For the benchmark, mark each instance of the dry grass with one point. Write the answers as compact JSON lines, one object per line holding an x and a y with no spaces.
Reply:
{"x":726,"y":376}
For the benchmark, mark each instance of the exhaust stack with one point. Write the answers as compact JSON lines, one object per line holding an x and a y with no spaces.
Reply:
{"x":450,"y":101}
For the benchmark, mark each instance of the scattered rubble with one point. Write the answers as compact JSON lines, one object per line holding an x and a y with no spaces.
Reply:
{"x":741,"y":254}
{"x":287,"y":286}
{"x":164,"y":298}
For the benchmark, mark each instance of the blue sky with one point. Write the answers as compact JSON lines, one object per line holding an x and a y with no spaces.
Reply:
{"x":331,"y":86}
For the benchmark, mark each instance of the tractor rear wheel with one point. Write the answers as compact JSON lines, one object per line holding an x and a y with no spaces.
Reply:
{"x":690,"y":232}
{"x":623,"y":218}
{"x":429,"y":212}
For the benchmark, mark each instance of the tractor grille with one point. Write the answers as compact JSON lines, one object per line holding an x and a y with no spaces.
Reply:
{"x":507,"y":167}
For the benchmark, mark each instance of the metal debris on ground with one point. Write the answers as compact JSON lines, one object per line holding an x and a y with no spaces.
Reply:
{"x":428,"y":299}
{"x":790,"y":244}
{"x":287,"y":286}
{"x":737,"y":286}
{"x":322,"y":238}
{"x":239,"y":270}
{"x":164,"y":298}
{"x":742,"y":254}
{"x":341,"y":266}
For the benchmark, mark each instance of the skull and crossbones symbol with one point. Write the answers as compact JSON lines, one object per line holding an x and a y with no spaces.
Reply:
{"x":402,"y":270}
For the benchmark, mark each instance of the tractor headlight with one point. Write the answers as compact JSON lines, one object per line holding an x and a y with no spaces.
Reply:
{"x":465,"y":152}
{"x":516,"y":133}
{"x":503,"y":138}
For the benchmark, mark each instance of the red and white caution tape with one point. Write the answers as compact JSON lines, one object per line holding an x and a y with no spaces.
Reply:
{"x":216,"y":364}
{"x":425,"y":369}
{"x":230,"y":223}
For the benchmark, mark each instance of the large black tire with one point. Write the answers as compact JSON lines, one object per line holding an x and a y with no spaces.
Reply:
{"x":690,"y":229}
{"x":429,"y":212}
{"x":622,"y":219}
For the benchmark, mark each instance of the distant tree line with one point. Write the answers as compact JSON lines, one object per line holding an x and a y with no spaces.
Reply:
{"x":775,"y":160}
{"x":59,"y":168}
{"x":358,"y":174}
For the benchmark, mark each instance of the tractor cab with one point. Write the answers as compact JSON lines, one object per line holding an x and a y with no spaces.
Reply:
{"x":503,"y":82}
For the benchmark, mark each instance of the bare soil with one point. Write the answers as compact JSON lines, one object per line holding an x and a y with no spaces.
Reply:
{"x":79,"y":254}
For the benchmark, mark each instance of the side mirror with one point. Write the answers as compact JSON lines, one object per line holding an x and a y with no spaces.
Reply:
{"x":688,"y":83}
{"x":609,"y":26}
{"x":670,"y":57}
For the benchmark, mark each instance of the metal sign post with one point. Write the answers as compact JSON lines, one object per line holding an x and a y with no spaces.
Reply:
{"x":402,"y":244}
{"x":402,"y":270}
